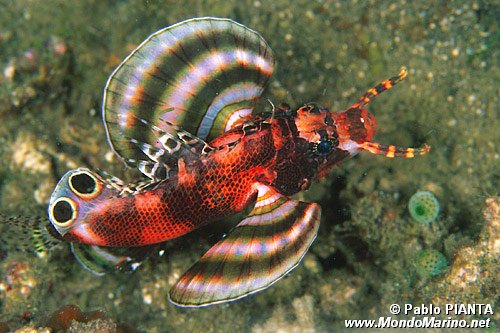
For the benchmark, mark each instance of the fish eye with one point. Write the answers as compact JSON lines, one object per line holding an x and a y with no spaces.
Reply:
{"x":63,"y":212}
{"x":85,"y":185}
{"x":323,"y":146}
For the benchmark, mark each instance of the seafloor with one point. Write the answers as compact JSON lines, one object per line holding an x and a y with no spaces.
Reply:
{"x":55,"y":57}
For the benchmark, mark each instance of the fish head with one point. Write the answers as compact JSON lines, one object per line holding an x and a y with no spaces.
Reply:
{"x":315,"y":125}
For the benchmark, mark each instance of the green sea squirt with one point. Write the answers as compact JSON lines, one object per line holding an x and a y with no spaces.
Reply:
{"x":430,"y":263}
{"x":424,"y":207}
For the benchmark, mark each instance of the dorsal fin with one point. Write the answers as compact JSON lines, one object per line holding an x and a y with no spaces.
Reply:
{"x":110,"y":181}
{"x":201,"y":75}
{"x":122,"y":189}
{"x":170,"y":146}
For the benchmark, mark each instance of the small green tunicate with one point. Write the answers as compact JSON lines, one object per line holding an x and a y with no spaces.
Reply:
{"x":430,"y":263}
{"x":423,"y":207}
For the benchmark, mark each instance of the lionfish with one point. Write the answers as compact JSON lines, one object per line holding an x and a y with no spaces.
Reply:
{"x":181,"y":108}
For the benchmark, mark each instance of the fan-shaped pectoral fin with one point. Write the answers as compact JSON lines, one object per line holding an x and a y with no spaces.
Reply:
{"x":201,"y":75}
{"x":259,"y":251}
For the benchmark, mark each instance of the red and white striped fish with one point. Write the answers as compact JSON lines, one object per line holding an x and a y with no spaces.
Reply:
{"x":181,"y":109}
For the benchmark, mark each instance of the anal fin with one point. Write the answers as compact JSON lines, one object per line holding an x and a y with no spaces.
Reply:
{"x":101,"y":260}
{"x":259,"y":251}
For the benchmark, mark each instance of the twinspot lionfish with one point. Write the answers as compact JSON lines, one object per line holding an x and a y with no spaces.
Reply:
{"x":181,"y":109}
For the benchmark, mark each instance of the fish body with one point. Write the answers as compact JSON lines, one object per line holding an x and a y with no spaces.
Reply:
{"x":217,"y":185}
{"x":181,"y":109}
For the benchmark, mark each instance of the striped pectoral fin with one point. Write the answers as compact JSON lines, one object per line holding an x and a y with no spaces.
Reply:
{"x":259,"y":251}
{"x":202,"y":75}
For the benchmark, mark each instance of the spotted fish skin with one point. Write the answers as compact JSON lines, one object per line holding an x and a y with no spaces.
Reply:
{"x":217,"y":185}
{"x":180,"y":108}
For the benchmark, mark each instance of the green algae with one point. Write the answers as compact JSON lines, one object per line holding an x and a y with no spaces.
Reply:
{"x":328,"y":52}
